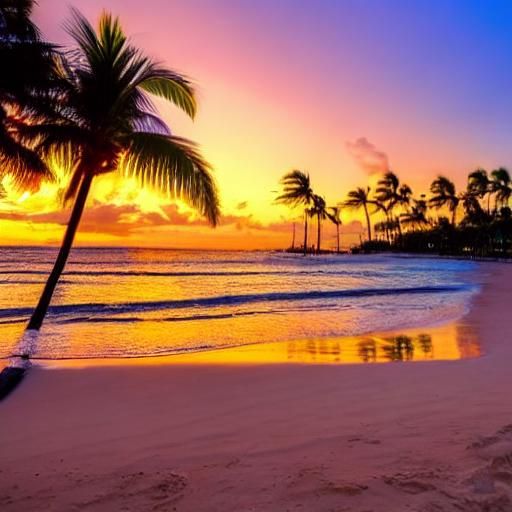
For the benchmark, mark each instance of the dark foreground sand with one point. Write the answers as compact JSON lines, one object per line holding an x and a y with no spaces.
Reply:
{"x":397,"y":437}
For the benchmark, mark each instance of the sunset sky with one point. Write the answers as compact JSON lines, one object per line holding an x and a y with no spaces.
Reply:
{"x":342,"y":89}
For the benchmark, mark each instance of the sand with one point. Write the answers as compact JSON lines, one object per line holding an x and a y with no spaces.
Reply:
{"x":426,"y":436}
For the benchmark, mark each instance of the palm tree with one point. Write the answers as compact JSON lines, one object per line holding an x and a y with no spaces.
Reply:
{"x":385,"y":225}
{"x":30,"y":66}
{"x":387,"y":187}
{"x":334,"y":215}
{"x":480,"y":185}
{"x":416,"y":217}
{"x":500,"y":185}
{"x":385,"y":193}
{"x":444,"y":194}
{"x":391,"y":194}
{"x":360,"y":198}
{"x":474,"y":214}
{"x":318,"y":210}
{"x":106,"y":122}
{"x":297,"y":191}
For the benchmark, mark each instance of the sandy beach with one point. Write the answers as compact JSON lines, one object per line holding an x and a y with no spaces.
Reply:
{"x":423,"y":436}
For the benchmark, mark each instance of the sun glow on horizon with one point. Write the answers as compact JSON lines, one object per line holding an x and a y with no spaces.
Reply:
{"x":286,"y":86}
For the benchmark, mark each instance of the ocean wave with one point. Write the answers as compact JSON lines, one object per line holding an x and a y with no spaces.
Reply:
{"x":231,"y":300}
{"x":205,"y":273}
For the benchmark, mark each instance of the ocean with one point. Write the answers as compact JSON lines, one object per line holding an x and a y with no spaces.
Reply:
{"x":121,"y":302}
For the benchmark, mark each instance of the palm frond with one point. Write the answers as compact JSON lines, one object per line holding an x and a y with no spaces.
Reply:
{"x":25,"y":167}
{"x":296,"y":189}
{"x":174,"y":166}
{"x":357,"y":198}
{"x":171,"y":86}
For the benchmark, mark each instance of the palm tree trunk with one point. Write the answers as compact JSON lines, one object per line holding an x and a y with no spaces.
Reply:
{"x":42,"y":306}
{"x":368,"y":225}
{"x":318,"y":234}
{"x":305,"y":232}
{"x":338,"y":238}
{"x":454,"y":214}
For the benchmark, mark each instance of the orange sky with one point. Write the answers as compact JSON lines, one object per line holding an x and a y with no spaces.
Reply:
{"x":282,"y":86}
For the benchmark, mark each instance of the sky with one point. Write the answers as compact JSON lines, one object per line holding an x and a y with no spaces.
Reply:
{"x":343,"y":89}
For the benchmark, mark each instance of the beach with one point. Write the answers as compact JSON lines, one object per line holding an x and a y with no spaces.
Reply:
{"x":228,"y":283}
{"x":422,"y":436}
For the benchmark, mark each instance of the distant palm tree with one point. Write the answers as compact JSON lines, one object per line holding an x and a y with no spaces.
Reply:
{"x":501,"y":186}
{"x":106,"y":122}
{"x":360,"y":198}
{"x":391,"y":194}
{"x":480,"y":185}
{"x":334,"y":214}
{"x":474,"y":214}
{"x":385,"y":192}
{"x":444,"y":194}
{"x":386,"y":225}
{"x":297,"y":191}
{"x":416,"y":217}
{"x":318,"y":210}
{"x":387,"y":187}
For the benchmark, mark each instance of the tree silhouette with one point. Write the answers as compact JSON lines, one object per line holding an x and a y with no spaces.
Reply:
{"x":297,"y":191}
{"x":444,"y":194}
{"x":360,"y":198}
{"x":106,"y":122}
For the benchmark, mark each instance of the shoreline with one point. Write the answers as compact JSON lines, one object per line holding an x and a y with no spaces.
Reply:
{"x":177,"y":357}
{"x":421,"y":437}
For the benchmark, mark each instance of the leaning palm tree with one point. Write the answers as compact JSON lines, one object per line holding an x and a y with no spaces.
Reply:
{"x":105,"y":122}
{"x":444,"y":194}
{"x":334,"y":215}
{"x":501,"y":186}
{"x":360,"y":198}
{"x":297,"y":191}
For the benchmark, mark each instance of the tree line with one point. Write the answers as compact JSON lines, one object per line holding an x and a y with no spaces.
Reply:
{"x":475,"y":221}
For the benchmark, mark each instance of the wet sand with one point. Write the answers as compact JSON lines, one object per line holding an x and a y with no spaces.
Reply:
{"x":422,"y":436}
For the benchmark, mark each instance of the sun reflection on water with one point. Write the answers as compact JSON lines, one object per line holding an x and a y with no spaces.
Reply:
{"x":448,"y":342}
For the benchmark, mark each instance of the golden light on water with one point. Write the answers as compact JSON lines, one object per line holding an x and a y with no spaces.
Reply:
{"x":445,"y":343}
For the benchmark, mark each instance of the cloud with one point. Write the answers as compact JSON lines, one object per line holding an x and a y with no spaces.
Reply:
{"x":370,"y":159}
{"x":124,"y":220}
